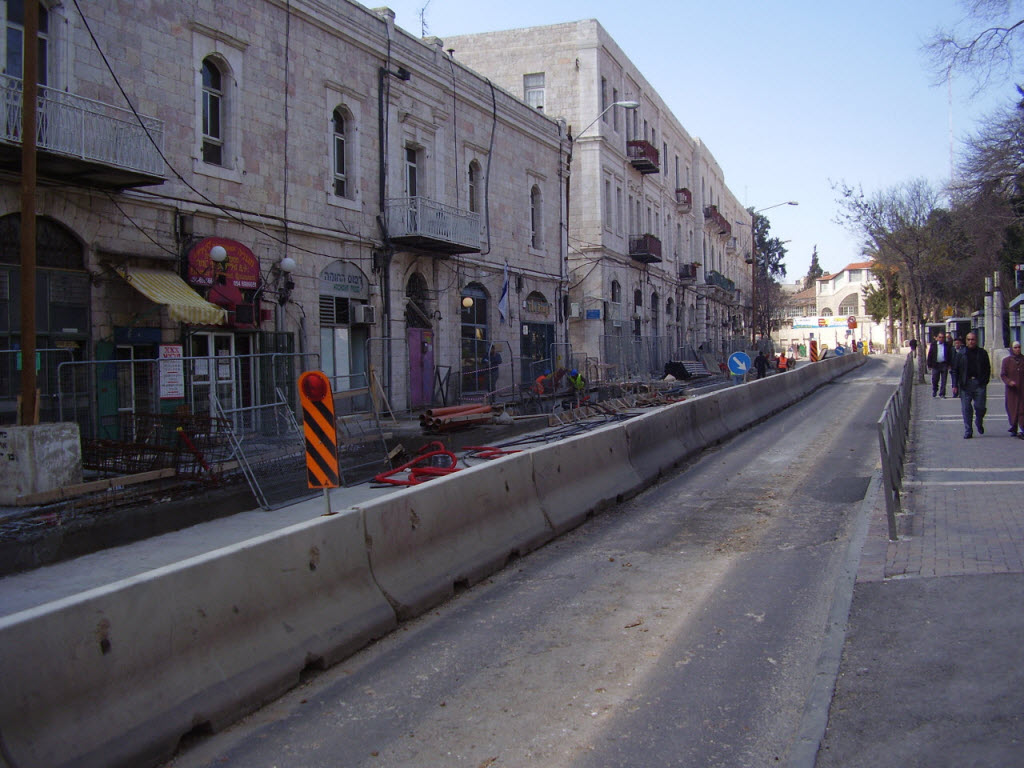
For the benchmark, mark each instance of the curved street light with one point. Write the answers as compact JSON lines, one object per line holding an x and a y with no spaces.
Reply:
{"x":631,"y":105}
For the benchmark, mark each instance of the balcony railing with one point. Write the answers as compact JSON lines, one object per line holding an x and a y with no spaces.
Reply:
{"x":645,"y":248}
{"x":684,"y":200}
{"x":83,"y":139}
{"x":716,"y":221}
{"x":689,"y":271}
{"x":643,"y":156}
{"x":721,"y":281}
{"x":432,"y":226}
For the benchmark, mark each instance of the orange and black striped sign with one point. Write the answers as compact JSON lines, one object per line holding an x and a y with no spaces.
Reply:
{"x":319,"y":429}
{"x":814,"y":351}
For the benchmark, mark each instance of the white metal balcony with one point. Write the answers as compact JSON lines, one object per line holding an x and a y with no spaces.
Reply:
{"x":431,"y":226}
{"x":82,"y":141}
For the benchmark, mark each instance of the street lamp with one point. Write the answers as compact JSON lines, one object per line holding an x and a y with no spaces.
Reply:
{"x":631,"y":105}
{"x":753,"y":266}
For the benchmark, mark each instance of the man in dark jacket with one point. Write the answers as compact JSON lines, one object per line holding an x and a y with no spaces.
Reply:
{"x":940,"y":357}
{"x":971,"y":372}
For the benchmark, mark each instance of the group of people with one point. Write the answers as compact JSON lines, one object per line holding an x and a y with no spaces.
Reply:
{"x":969,"y":371}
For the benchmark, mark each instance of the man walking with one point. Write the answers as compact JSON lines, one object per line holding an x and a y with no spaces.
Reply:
{"x":940,"y":356}
{"x":971,"y":372}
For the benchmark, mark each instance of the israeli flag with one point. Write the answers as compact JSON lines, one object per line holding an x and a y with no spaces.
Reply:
{"x":503,"y":300}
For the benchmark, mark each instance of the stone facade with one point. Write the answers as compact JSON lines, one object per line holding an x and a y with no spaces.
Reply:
{"x":333,"y":124}
{"x":656,"y":240}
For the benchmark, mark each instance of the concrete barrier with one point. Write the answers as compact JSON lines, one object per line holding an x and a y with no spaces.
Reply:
{"x":583,"y":474}
{"x":708,"y":420}
{"x":117,"y":675}
{"x":454,"y":530}
{"x":660,"y":440}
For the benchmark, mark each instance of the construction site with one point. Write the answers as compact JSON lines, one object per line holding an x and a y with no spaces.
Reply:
{"x":167,"y":471}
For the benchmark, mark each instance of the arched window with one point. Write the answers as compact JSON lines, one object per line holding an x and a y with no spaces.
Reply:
{"x":826,"y":312}
{"x":473,"y":190}
{"x":417,"y":315}
{"x":616,"y":292}
{"x":536,"y":222}
{"x":213,"y":113}
{"x":475,"y":336}
{"x":340,"y":152}
{"x":849,"y":305}
{"x":654,"y":313}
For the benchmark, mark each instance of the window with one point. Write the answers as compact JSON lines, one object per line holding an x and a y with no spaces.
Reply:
{"x":604,"y":99}
{"x":826,"y":312}
{"x":16,"y":40}
{"x":855,"y":275}
{"x":533,"y":90}
{"x":615,"y":112}
{"x":849,"y":305}
{"x":213,"y":114}
{"x":536,"y":222}
{"x":473,"y":183}
{"x":340,"y":155}
{"x":411,"y":172}
{"x":616,"y":292}
{"x":608,"y":218}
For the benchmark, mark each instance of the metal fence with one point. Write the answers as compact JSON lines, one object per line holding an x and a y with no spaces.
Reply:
{"x":104,"y":396}
{"x":629,"y":357}
{"x":893,"y":428}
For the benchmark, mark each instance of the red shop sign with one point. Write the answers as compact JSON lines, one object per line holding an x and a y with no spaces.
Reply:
{"x":241,"y":268}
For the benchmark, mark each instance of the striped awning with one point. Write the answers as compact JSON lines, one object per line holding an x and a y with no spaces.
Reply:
{"x":183,"y":304}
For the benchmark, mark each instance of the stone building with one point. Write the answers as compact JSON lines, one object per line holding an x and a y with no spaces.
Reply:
{"x":257,"y":188}
{"x":657,"y":243}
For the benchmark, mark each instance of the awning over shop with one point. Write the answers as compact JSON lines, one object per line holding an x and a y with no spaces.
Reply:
{"x":183,"y":304}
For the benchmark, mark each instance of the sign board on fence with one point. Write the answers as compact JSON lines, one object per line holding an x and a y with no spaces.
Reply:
{"x":172,"y":372}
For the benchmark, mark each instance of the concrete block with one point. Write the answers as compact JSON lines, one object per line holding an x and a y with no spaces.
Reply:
{"x":116,"y":675}
{"x":662,"y":439}
{"x":581,"y":475}
{"x":38,"y":458}
{"x":454,"y":530}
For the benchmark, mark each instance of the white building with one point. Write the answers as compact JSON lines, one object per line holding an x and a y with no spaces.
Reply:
{"x":841,"y":316}
{"x":656,"y":240}
{"x":340,"y":194}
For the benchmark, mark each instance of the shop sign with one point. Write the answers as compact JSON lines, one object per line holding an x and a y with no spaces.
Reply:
{"x":241,"y":268}
{"x":344,"y":279}
{"x":538,"y":305}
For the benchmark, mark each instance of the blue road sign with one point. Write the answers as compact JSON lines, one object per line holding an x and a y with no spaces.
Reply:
{"x":739,"y":363}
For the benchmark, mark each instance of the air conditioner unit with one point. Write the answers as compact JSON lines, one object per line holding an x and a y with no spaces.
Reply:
{"x":364,"y":314}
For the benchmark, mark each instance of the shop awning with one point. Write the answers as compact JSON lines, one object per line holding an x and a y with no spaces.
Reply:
{"x":183,"y":304}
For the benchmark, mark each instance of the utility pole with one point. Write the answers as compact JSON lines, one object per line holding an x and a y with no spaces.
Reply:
{"x":29,"y":98}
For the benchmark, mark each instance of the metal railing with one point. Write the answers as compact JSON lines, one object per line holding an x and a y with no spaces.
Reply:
{"x":421,"y":217}
{"x":91,"y":130}
{"x":893,"y":428}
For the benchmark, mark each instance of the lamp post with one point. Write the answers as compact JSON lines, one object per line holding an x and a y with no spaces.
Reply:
{"x":753,"y":268}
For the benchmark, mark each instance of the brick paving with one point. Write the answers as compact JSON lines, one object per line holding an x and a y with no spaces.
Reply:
{"x":963,"y":500}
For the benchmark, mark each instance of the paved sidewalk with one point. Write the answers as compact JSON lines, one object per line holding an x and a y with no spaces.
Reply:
{"x":932,"y":672}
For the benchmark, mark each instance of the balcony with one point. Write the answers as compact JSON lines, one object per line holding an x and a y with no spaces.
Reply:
{"x":645,"y":248}
{"x":81,"y":141}
{"x":684,"y":200}
{"x":426,"y":225}
{"x":716,"y":222}
{"x":689,"y":272}
{"x":719,"y":280}
{"x":642,"y":155}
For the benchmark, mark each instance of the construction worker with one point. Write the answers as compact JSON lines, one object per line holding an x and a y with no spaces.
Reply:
{"x":783,"y":362}
{"x":578,"y":385}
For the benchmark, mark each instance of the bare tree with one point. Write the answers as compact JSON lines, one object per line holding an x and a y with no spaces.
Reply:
{"x":987,"y":45}
{"x":898,"y":226}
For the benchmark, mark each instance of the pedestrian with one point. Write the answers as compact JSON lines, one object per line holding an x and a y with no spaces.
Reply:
{"x":958,"y":347}
{"x":940,"y":356}
{"x":783,"y":363}
{"x":913,"y":346}
{"x":761,"y":365}
{"x":971,"y":373}
{"x":1012,"y":374}
{"x":493,"y":362}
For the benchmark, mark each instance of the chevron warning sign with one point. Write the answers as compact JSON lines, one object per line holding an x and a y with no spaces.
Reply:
{"x":319,"y":429}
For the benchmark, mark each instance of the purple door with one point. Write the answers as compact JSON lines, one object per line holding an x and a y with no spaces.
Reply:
{"x":421,"y":366}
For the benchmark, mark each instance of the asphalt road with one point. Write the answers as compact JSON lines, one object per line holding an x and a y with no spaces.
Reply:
{"x":682,"y":628}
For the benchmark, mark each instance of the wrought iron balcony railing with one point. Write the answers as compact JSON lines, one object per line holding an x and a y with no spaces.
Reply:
{"x":718,"y":279}
{"x":689,"y":271}
{"x":431,"y":226}
{"x":645,"y":248}
{"x":642,"y":155}
{"x":87,"y":140}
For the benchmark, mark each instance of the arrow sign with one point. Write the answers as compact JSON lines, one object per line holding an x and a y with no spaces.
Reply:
{"x":739,"y":363}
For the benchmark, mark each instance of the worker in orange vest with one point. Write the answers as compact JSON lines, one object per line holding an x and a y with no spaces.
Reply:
{"x":783,"y":363}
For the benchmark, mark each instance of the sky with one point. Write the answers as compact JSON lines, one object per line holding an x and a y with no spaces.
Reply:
{"x":791,"y":96}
